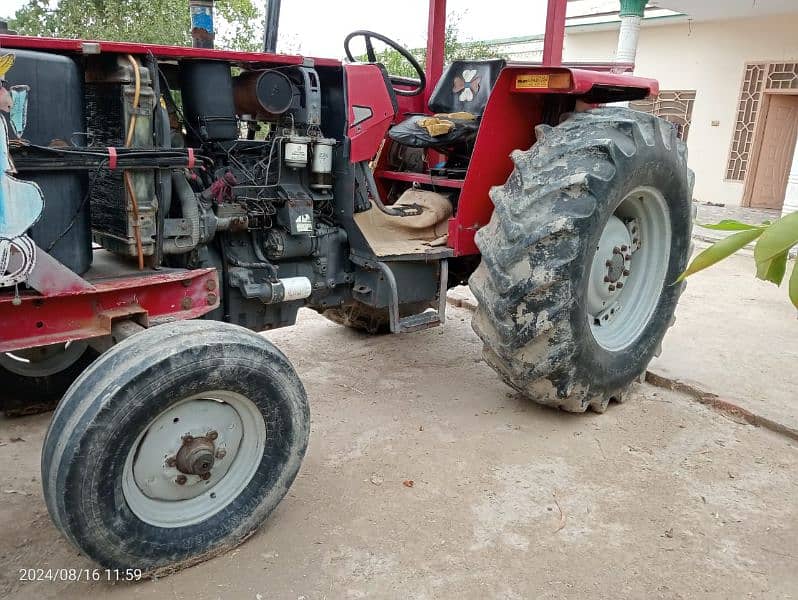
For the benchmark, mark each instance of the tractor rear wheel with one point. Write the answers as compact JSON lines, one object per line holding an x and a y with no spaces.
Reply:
{"x":589,"y":233}
{"x":174,"y":446}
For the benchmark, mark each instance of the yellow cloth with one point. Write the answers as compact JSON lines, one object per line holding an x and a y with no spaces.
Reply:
{"x":435,"y":126}
{"x":457,"y":116}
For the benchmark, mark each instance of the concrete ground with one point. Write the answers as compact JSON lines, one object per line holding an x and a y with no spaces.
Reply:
{"x":660,"y":497}
{"x":737,"y":336}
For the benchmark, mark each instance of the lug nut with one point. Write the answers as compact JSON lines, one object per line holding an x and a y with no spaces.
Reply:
{"x":607,"y":279}
{"x":205,"y":476}
{"x":608,"y":263}
{"x":221,"y":453}
{"x":212,"y":435}
{"x":628,"y":257}
{"x":619,"y":285}
{"x":616,"y":250}
{"x":181,"y":479}
{"x":171,"y":461}
{"x":626,"y":272}
{"x":187,"y":439}
{"x":624,"y":248}
{"x":611,"y":288}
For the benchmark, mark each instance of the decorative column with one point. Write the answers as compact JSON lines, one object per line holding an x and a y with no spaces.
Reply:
{"x":202,"y":34}
{"x":631,"y":15}
{"x":791,"y":197}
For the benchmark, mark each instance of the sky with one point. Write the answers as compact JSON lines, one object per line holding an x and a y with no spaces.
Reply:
{"x":318,"y":27}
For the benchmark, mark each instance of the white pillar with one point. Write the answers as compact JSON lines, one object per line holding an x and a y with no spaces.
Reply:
{"x":791,"y":197}
{"x":631,"y":15}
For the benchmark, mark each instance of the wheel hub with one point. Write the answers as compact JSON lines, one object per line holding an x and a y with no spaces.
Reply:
{"x":196,"y":455}
{"x":612,"y":265}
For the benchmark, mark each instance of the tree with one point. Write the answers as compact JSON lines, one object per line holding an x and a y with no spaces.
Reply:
{"x":454,"y":49}
{"x":771,"y":252}
{"x":145,"y":21}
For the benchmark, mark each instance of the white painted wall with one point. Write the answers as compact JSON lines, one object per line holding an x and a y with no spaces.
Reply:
{"x":791,"y":199}
{"x":709,"y":58}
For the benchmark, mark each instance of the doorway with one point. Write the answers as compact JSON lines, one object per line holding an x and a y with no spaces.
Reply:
{"x":774,"y":147}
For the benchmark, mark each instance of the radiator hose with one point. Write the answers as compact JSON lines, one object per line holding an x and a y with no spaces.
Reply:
{"x":189,"y":209}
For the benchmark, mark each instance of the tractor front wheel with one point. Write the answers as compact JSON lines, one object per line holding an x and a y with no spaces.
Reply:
{"x":174,"y":446}
{"x":576,"y":287}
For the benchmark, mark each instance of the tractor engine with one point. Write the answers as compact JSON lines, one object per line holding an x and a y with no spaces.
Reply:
{"x":186,"y":164}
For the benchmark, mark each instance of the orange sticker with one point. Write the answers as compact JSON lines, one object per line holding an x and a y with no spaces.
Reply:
{"x":531,"y":82}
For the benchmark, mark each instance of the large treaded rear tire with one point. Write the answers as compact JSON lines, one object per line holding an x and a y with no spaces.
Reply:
{"x":538,"y":249}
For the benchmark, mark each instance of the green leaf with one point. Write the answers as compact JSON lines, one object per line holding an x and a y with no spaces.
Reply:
{"x":720,"y":250}
{"x":778,"y":237}
{"x":774,"y":269}
{"x":794,"y":285}
{"x":730,"y":225}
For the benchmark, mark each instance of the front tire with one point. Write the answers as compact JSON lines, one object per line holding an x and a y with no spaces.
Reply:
{"x":174,"y":446}
{"x":590,"y":232}
{"x":34,"y":380}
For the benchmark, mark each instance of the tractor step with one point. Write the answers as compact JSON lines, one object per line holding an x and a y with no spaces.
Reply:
{"x":410,"y":323}
{"x":425,"y":320}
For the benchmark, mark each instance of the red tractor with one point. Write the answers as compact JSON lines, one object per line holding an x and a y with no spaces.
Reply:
{"x":161,"y":204}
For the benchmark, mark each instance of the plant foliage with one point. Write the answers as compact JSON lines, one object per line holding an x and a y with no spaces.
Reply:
{"x":144,"y":21}
{"x":771,"y":251}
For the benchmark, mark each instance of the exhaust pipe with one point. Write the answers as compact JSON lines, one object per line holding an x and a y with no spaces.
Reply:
{"x":272,"y":24}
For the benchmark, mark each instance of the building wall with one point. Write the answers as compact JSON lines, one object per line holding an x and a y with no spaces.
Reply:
{"x":709,"y":58}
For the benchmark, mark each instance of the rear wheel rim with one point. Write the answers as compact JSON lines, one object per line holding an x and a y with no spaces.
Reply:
{"x":628,"y":269}
{"x":157,"y":485}
{"x":43,"y":361}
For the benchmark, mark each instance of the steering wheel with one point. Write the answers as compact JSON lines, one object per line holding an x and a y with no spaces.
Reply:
{"x":417,"y":85}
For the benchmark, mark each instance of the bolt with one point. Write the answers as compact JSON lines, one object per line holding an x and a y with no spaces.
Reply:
{"x":608,"y":263}
{"x":210,"y":285}
{"x":211,"y":299}
{"x":611,"y":288}
{"x":181,"y":479}
{"x":205,"y":476}
{"x":186,"y":283}
{"x":619,"y":285}
{"x":616,"y":250}
{"x":626,"y":272}
{"x":624,"y":248}
{"x":187,"y":439}
{"x":635,"y":240}
{"x":221,"y":453}
{"x":186,"y":303}
{"x":628,"y":257}
{"x":212,"y":435}
{"x":607,"y":279}
{"x":171,"y":461}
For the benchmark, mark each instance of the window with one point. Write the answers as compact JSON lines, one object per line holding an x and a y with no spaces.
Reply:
{"x":675,"y":106}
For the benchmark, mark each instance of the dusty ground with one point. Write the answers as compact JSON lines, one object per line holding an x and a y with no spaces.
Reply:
{"x":657,"y":498}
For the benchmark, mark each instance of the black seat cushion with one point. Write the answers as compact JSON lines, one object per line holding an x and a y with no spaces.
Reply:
{"x":466,"y":86}
{"x":410,"y":133}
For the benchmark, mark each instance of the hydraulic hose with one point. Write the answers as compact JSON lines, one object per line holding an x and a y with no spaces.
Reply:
{"x":126,"y":174}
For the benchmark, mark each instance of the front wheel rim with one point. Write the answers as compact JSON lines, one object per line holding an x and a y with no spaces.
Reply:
{"x":194,"y":459}
{"x":629,"y":268}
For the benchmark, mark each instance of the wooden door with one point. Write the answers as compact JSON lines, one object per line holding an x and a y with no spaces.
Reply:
{"x":776,"y":151}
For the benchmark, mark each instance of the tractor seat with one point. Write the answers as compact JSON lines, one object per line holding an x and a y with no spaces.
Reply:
{"x":465,"y":86}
